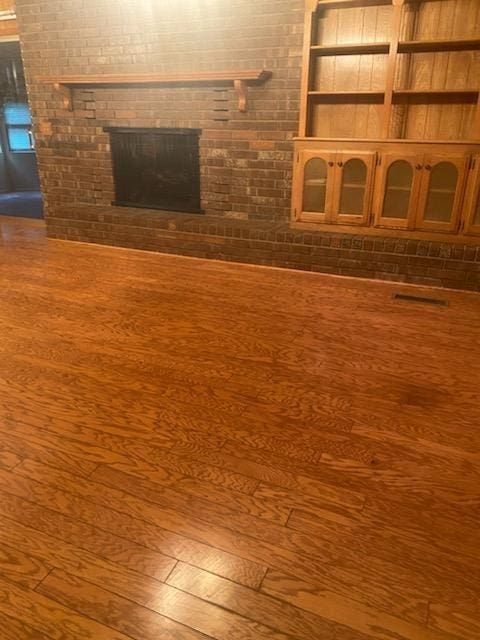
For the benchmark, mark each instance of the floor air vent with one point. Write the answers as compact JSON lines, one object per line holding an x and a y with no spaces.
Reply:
{"x":435,"y":301}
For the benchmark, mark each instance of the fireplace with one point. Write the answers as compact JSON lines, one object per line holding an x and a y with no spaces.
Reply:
{"x":156,"y":168}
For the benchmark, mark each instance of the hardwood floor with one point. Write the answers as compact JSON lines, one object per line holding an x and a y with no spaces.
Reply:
{"x":192,"y":450}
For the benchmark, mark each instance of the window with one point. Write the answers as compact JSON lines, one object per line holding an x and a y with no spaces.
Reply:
{"x":19,"y":126}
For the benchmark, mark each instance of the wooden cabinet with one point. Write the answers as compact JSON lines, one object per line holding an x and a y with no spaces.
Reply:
{"x":472,"y":201}
{"x":315,"y":178}
{"x":421,"y":192}
{"x":406,"y":186}
{"x":399,"y":81}
{"x":334,"y":187}
{"x":354,"y":173}
{"x":441,"y":192}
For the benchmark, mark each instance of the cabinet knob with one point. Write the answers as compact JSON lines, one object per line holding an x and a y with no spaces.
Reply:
{"x":331,"y":163}
{"x":340,"y":164}
{"x":428,"y":167}
{"x":418,"y":167}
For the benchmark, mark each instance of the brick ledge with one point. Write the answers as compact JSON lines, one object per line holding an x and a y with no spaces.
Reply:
{"x":271,"y":243}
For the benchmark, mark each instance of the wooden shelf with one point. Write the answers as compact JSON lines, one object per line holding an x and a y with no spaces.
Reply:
{"x":316,"y":182}
{"x":344,"y":4}
{"x":405,"y":141}
{"x":240,"y":79}
{"x":350,"y":49}
{"x":438,"y":93}
{"x":425,"y":46}
{"x":332,"y":95}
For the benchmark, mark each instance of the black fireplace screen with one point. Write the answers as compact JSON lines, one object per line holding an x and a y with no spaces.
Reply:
{"x":156,"y":168}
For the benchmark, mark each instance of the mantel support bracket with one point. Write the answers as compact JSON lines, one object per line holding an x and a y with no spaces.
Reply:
{"x":241,"y":91}
{"x":66,"y":94}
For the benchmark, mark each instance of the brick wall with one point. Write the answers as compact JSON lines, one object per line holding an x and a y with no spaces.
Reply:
{"x":246,"y":158}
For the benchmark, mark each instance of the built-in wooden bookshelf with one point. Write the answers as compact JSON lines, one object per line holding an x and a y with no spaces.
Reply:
{"x":390,"y":48}
{"x":405,"y":75}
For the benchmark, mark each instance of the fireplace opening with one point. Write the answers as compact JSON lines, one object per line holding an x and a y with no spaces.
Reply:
{"x":156,"y":168}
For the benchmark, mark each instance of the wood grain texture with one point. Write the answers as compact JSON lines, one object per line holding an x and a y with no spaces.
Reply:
{"x":17,"y":566}
{"x":462,"y":624}
{"x":171,"y":612}
{"x":194,"y":450}
{"x":12,"y":628}
{"x":376,"y":624}
{"x":49,"y":617}
{"x":262,"y":608}
{"x":8,"y":458}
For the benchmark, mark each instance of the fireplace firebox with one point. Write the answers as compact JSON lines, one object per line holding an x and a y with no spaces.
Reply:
{"x":156,"y":168}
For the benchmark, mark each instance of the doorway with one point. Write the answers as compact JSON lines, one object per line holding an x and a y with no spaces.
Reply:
{"x":19,"y":182}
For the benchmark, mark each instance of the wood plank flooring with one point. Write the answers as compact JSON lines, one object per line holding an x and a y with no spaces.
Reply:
{"x":192,"y":450}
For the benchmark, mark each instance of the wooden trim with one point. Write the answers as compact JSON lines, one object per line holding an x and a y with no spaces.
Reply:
{"x":437,"y":92}
{"x":347,"y":94}
{"x":252,"y":75}
{"x":426,"y":46}
{"x":240,"y":80}
{"x":386,"y":232}
{"x":476,"y":123}
{"x":395,"y":141}
{"x":306,"y":69}
{"x":343,"y":4}
{"x":354,"y":48}
{"x":472,"y":197}
{"x":392,"y":66}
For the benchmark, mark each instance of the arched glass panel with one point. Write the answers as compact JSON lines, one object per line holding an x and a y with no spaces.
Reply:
{"x":398,"y":189}
{"x":441,"y":192}
{"x":315,"y":185}
{"x":354,"y":183}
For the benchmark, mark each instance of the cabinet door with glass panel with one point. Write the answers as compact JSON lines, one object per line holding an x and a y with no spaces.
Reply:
{"x":472,"y":202}
{"x":397,"y":189}
{"x":354,"y":173}
{"x":315,"y":176}
{"x":336,"y":187}
{"x":441,"y":192}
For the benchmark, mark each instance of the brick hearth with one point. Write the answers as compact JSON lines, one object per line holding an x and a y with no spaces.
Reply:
{"x":272,"y":243}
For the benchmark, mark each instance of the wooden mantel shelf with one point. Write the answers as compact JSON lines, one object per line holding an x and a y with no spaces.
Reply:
{"x":240,"y":80}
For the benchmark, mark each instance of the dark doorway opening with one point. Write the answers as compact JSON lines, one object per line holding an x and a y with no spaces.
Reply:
{"x":19,"y":182}
{"x":156,"y":168}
